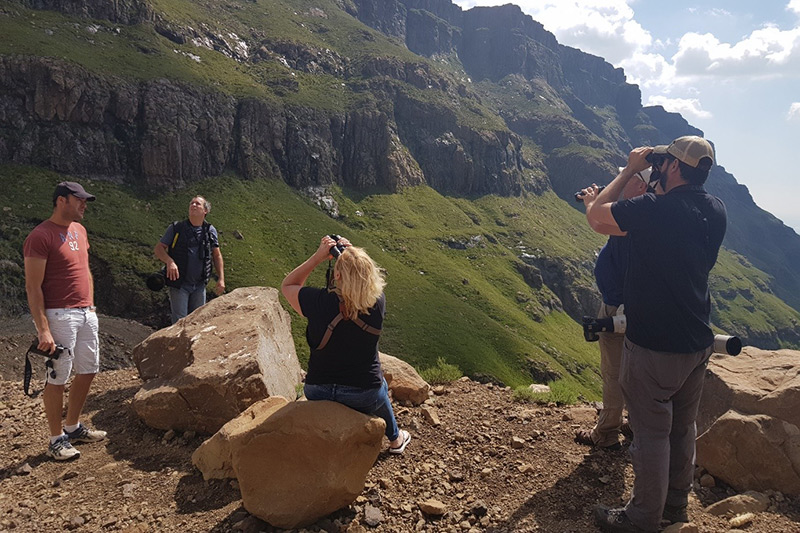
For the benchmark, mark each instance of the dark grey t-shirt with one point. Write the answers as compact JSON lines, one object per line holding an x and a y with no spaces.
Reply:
{"x":674,"y":242}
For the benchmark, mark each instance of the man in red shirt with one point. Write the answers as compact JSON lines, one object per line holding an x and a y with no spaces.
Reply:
{"x":60,"y":293}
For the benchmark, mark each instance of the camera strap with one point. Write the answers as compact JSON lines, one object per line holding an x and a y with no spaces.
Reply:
{"x":28,"y":372}
{"x":338,"y":318}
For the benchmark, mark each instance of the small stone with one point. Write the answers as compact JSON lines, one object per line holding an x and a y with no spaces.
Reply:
{"x":741,"y":520}
{"x":707,"y":481}
{"x":372,"y":515}
{"x":517,"y":443}
{"x":432,"y":507}
{"x":24,"y":470}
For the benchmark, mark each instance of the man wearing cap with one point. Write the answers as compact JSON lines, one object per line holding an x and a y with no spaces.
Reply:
{"x":674,"y":241}
{"x":189,"y":248}
{"x":60,"y":293}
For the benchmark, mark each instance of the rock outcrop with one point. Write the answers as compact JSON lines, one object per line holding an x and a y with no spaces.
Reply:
{"x":210,"y":366}
{"x":295,"y":462}
{"x":749,"y":423}
{"x":404,"y":382}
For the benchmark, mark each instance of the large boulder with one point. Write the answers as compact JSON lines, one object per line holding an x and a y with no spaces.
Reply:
{"x":748,"y":420}
{"x":752,"y":452}
{"x":214,"y":457}
{"x":754,"y":382}
{"x":297,"y":462}
{"x":207,"y":368}
{"x":404,"y":382}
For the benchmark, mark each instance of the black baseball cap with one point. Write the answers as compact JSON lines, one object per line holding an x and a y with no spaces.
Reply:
{"x":65,"y":188}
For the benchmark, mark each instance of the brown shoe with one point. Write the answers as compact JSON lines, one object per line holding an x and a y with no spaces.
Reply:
{"x":584,"y":436}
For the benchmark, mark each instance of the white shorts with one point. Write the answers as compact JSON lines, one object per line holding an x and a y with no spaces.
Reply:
{"x":76,"y":329}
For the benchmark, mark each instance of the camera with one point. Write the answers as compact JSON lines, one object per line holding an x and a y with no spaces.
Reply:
{"x":612,"y":324}
{"x":55,"y":355}
{"x":579,"y":194}
{"x":157,"y":280}
{"x":724,"y":344}
{"x":337,"y":249}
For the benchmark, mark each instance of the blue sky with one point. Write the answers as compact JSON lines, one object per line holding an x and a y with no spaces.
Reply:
{"x":730,"y":68}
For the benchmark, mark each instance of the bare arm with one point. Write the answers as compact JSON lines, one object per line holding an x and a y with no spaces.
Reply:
{"x":598,"y":209}
{"x":161,"y":253}
{"x":219,"y":266}
{"x":34,"y":276}
{"x":294,"y":281}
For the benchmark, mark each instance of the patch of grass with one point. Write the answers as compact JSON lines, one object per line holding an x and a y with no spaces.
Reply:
{"x":561,"y":393}
{"x":441,"y":373}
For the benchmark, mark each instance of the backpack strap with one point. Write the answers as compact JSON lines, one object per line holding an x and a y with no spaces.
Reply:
{"x":338,"y":318}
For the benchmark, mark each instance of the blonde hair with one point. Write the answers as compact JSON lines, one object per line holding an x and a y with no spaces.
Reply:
{"x":360,"y":282}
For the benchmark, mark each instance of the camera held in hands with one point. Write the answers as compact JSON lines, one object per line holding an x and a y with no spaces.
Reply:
{"x":724,"y":344}
{"x":157,"y":280}
{"x":55,"y":355}
{"x":337,"y":249}
{"x":579,"y":195}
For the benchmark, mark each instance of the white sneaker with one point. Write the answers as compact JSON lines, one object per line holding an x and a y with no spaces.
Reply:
{"x":61,"y":449}
{"x":84,"y":434}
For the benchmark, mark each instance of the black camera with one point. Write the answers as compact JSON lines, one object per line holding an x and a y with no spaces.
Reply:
{"x":727,"y":344}
{"x":612,"y":324}
{"x":579,"y":194}
{"x":337,"y":249}
{"x":55,"y":355}
{"x":157,"y":280}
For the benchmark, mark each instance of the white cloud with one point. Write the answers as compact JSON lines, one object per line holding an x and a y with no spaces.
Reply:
{"x":794,"y":111}
{"x":688,"y":107}
{"x":766,"y":52}
{"x":794,"y":5}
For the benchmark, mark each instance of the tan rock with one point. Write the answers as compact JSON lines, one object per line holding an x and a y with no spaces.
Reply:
{"x":305,"y":461}
{"x":213,"y":457}
{"x":210,"y":366}
{"x":752,"y":452}
{"x":432,"y":507}
{"x":749,"y":502}
{"x":538,"y":388}
{"x":681,"y":528}
{"x":404,"y":382}
{"x":431,"y":415}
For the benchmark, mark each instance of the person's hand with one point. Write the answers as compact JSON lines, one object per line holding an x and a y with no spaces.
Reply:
{"x":172,"y":271}
{"x":344,"y":242}
{"x":46,"y":342}
{"x":637,"y":159}
{"x":324,"y":251}
{"x":220,"y":288}
{"x":589,"y":194}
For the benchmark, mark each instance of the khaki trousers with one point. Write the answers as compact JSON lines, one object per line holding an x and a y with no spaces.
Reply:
{"x":606,"y":431}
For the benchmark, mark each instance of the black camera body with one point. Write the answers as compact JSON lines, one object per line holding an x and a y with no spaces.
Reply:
{"x":157,"y":280}
{"x":655,"y":159}
{"x":55,"y":355}
{"x":612,"y":324}
{"x":579,"y":194}
{"x":337,"y":249}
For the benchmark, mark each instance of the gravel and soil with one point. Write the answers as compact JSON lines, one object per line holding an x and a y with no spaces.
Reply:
{"x":491,"y":464}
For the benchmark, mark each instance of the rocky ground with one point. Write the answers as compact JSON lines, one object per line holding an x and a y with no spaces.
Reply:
{"x":490,"y":465}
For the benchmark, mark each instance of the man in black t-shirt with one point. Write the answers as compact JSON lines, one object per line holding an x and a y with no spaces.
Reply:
{"x":674,"y":241}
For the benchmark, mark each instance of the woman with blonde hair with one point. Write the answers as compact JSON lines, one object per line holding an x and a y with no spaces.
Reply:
{"x":344,"y":325}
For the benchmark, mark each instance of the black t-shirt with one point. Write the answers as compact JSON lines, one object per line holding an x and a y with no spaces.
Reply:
{"x":674,"y":242}
{"x":351,"y":355}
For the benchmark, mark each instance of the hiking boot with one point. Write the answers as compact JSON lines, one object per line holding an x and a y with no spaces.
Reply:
{"x":614,"y":521}
{"x":675,"y":514}
{"x":84,"y":434}
{"x":61,"y":449}
{"x":584,"y":436}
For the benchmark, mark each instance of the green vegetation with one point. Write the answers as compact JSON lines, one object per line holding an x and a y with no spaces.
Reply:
{"x":441,"y":373}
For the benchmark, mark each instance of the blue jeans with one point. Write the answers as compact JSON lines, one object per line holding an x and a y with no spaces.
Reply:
{"x":368,"y":401}
{"x":187,"y":298}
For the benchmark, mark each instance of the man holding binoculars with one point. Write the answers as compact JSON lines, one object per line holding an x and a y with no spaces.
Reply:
{"x":674,"y":240}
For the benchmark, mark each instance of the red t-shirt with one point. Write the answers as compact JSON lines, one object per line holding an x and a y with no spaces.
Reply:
{"x":66,"y":275}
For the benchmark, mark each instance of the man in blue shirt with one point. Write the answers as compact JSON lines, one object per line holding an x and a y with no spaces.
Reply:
{"x":609,"y":272}
{"x":674,"y":241}
{"x":189,"y":248}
